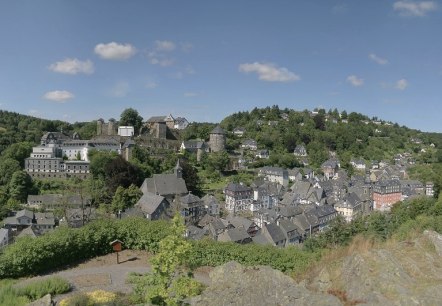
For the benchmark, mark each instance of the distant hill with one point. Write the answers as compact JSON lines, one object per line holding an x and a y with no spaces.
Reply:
{"x":322,"y":132}
{"x":16,"y":127}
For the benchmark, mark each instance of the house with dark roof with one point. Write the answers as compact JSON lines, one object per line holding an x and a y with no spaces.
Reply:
{"x":386,"y":193}
{"x":181,"y":123}
{"x":275,"y":174}
{"x":300,"y":151}
{"x":152,"y":206}
{"x":263,"y":154}
{"x":239,"y":197}
{"x":290,"y":232}
{"x":241,"y":222}
{"x":166,"y":185}
{"x":271,"y":234}
{"x":211,"y":205}
{"x":238,"y":235}
{"x":330,"y":168}
{"x":249,"y":144}
{"x":19,"y":221}
{"x":44,"y":221}
{"x":192,"y":208}
{"x":239,"y":131}
{"x":349,"y":207}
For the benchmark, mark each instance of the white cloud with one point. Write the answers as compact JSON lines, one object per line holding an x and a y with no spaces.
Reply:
{"x":160,"y":59}
{"x":60,"y":96}
{"x":73,"y":66}
{"x":414,"y":8}
{"x":355,"y":81}
{"x":401,"y":84}
{"x":269,"y":72}
{"x":121,"y":89}
{"x":164,"y":45}
{"x":151,"y":85}
{"x":115,"y":51}
{"x":377,"y":59}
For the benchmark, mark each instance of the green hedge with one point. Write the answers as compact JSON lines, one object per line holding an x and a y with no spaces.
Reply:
{"x":64,"y":246}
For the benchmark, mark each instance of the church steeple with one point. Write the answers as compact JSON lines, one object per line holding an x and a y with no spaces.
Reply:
{"x":178,"y":170}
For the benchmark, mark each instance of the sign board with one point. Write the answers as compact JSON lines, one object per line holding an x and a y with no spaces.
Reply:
{"x":117,"y":245}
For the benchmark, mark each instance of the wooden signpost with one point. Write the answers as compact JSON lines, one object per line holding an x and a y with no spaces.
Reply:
{"x":117,"y":246}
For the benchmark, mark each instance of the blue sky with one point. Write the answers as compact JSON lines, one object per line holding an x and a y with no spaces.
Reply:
{"x":81,"y":60}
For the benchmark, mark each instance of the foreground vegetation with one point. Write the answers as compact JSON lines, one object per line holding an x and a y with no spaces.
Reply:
{"x":13,"y":295}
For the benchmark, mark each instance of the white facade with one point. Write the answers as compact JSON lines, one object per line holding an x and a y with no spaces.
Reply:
{"x":126,"y":131}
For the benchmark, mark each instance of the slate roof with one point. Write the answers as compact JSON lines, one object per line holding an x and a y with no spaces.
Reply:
{"x":29,"y":231}
{"x":238,"y":222}
{"x":149,"y":202}
{"x":234,"y":234}
{"x":194,"y":144}
{"x":46,"y":218}
{"x":350,"y":200}
{"x":217,"y":130}
{"x":234,"y":187}
{"x":164,"y":184}
{"x":190,"y":200}
{"x":156,"y":119}
{"x":287,"y":226}
{"x":273,"y":170}
{"x":275,"y":232}
{"x":24,"y":212}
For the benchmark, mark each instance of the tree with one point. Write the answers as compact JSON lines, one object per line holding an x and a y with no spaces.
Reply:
{"x":168,"y":285}
{"x":18,"y":151}
{"x":98,"y":162}
{"x":119,"y":172}
{"x":190,"y":176}
{"x":130,"y":117}
{"x":7,"y":167}
{"x":125,"y":198}
{"x":219,"y":160}
{"x":19,"y":186}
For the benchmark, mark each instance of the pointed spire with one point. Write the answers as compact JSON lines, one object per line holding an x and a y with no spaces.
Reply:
{"x":178,"y":170}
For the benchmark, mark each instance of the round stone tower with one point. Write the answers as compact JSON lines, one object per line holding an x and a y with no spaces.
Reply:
{"x":217,"y":140}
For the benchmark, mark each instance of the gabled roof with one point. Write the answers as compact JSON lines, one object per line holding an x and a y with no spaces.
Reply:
{"x":190,"y":200}
{"x":45,"y":218}
{"x":156,"y":119}
{"x":275,"y":232}
{"x":234,"y":187}
{"x":29,"y":231}
{"x":234,"y":234}
{"x":24,"y":213}
{"x":238,"y":222}
{"x":164,"y":184}
{"x":149,"y":202}
{"x":287,"y":226}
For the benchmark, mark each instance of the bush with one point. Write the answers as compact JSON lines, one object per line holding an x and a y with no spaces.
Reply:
{"x":15,"y":296}
{"x":38,"y":289}
{"x":63,"y":246}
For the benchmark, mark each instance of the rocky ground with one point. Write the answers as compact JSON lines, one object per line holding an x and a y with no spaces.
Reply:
{"x":394,"y":273}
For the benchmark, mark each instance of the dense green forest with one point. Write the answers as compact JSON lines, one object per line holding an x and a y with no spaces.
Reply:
{"x":349,"y":135}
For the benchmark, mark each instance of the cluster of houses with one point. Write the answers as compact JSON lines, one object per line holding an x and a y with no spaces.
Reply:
{"x":60,"y":155}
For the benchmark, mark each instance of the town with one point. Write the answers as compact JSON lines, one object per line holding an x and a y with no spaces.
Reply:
{"x":250,"y":193}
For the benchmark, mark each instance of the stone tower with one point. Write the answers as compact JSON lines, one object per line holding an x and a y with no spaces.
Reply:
{"x":100,"y":123}
{"x":217,"y":141}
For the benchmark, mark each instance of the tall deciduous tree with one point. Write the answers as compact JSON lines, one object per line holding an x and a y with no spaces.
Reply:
{"x":130,"y":117}
{"x":19,"y":186}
